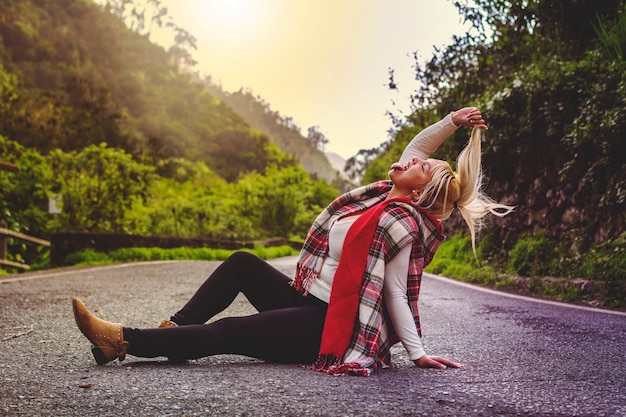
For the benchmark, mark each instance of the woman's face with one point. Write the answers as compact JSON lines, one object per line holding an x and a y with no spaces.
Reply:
{"x":414,"y":175}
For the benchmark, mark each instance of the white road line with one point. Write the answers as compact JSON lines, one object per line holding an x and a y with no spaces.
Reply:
{"x":444,"y":279}
{"x":79,"y":271}
{"x":522,"y":297}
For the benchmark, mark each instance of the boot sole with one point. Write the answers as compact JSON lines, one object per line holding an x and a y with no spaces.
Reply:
{"x":99,"y":356}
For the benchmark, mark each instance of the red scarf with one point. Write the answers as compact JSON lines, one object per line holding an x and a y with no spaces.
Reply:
{"x":344,"y":296}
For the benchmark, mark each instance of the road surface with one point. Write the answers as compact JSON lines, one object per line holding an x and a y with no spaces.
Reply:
{"x":521,"y":357}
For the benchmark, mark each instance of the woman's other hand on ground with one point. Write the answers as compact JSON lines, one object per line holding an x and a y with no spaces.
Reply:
{"x":470,"y":117}
{"x":438,"y":362}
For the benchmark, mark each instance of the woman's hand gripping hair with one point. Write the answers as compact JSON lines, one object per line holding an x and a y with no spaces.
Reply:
{"x":469,"y":117}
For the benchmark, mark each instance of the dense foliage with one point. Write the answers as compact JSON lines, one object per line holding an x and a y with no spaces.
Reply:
{"x":104,"y":189}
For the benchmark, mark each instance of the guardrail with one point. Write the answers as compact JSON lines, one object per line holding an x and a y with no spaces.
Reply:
{"x":5,"y":166}
{"x":6,"y":233}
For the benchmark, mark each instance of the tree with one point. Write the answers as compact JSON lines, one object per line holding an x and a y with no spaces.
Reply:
{"x":316,"y":138}
{"x":98,"y":185}
{"x":134,"y":15}
{"x":357,"y":165}
{"x":93,"y":118}
{"x":79,"y":116}
{"x":179,"y":52}
{"x":237,"y":152}
{"x":283,"y":201}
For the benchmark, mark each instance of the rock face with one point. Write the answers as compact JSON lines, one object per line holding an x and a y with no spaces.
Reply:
{"x":569,"y":211}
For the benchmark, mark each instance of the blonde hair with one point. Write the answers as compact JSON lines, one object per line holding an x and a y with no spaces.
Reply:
{"x":463,"y":190}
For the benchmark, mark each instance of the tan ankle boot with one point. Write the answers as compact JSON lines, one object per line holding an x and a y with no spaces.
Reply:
{"x":107,"y":338}
{"x":167,"y":323}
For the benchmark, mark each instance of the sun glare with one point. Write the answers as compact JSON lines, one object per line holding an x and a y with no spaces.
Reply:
{"x":229,"y":9}
{"x":233,"y":18}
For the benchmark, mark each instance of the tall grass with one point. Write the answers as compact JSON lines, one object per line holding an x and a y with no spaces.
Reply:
{"x":613,"y":39}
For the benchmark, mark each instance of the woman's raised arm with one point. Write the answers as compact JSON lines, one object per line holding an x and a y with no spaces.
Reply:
{"x":428,"y":140}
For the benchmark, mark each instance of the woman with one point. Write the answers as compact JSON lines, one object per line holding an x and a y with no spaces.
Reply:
{"x":357,"y":282}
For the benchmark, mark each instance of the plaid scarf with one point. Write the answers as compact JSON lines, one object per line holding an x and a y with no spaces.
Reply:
{"x":400,"y":223}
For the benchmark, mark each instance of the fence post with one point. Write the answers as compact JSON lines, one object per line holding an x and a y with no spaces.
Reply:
{"x":3,"y":242}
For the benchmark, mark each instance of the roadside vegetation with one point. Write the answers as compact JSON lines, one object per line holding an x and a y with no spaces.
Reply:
{"x":91,"y":257}
{"x":129,"y":139}
{"x":597,"y":280}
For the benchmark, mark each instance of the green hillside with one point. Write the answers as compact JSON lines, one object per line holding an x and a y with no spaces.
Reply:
{"x":84,"y":78}
{"x":280,"y":129}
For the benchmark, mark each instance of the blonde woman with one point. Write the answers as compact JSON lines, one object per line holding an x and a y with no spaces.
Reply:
{"x":357,"y":282}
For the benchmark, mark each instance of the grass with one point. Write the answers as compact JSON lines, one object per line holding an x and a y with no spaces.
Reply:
{"x":91,"y":257}
{"x":454,"y":259}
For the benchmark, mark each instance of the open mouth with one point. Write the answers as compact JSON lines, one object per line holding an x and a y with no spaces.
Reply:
{"x":399,"y":167}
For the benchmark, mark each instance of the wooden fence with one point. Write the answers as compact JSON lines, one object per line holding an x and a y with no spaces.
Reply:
{"x":5,"y":233}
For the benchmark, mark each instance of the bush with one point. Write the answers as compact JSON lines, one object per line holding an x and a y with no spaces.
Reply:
{"x":607,"y":262}
{"x":87,"y":257}
{"x":273,"y":251}
{"x":534,"y":256}
{"x":454,"y":258}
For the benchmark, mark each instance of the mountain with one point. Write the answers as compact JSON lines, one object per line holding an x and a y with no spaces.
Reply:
{"x":281,"y":130}
{"x":337,"y":161}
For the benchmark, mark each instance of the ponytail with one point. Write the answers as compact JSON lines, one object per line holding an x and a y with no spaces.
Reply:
{"x":472,"y":203}
{"x":463,"y":190}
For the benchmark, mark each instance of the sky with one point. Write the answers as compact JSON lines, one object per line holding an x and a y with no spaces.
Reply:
{"x":321,"y":62}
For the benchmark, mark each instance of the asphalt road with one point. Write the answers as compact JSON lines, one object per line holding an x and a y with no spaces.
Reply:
{"x":521,"y":357}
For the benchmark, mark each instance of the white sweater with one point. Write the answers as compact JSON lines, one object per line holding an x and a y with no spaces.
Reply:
{"x":396,"y":271}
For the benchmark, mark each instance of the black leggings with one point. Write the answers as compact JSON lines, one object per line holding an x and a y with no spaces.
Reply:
{"x":286,"y":329}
